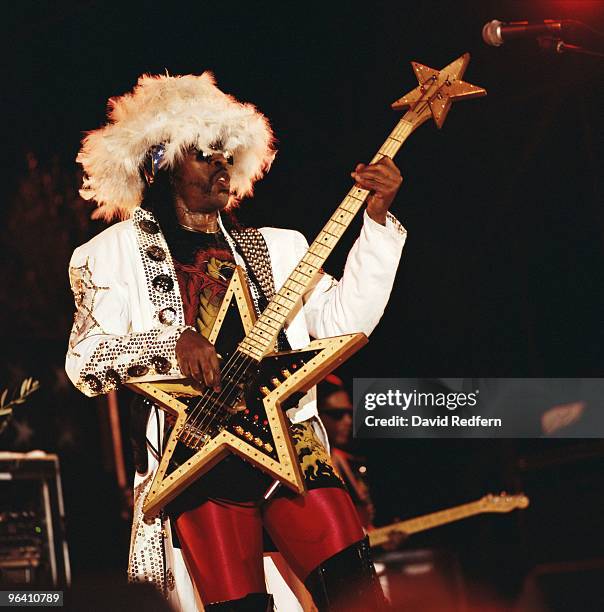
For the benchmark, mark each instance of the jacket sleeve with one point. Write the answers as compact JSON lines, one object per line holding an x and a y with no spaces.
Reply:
{"x":357,"y":301}
{"x":103,"y":350}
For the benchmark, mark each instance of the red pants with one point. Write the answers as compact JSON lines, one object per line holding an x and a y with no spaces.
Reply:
{"x":222,"y":542}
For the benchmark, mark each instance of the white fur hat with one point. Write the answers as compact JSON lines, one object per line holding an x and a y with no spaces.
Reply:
{"x":179,"y":112}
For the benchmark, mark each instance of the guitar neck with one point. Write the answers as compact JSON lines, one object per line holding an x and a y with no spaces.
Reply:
{"x":380,"y":535}
{"x":261,"y":338}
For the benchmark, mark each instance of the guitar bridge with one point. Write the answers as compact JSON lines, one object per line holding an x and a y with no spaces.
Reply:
{"x":194,"y":438}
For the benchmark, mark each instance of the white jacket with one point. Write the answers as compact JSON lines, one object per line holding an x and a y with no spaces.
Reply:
{"x":129,"y":316}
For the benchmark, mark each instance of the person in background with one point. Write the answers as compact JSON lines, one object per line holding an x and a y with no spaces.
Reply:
{"x":335,"y":410}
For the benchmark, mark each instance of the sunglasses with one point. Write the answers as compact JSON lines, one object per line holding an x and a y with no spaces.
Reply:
{"x":156,"y":154}
{"x":207,"y":155}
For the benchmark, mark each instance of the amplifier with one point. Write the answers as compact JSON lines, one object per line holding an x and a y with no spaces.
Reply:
{"x":33,"y":549}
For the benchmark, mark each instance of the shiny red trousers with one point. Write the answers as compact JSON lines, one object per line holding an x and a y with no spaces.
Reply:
{"x":222,"y":542}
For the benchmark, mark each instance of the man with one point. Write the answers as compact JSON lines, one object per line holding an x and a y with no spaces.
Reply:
{"x":335,"y":410}
{"x":176,"y":157}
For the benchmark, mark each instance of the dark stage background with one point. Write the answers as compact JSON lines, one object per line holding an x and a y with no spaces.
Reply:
{"x":501,"y":274}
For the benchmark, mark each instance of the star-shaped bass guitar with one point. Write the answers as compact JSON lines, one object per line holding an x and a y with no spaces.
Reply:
{"x":247,"y":417}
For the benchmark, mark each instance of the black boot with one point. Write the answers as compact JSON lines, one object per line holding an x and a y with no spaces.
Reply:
{"x":252,"y":602}
{"x":347,"y":582}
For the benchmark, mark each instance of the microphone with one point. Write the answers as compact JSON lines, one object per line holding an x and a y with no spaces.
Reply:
{"x":496,"y":32}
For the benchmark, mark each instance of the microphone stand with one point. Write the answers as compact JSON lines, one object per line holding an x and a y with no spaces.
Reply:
{"x":548,"y":43}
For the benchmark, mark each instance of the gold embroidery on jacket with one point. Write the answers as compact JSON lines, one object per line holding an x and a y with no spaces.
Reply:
{"x":85,"y":293}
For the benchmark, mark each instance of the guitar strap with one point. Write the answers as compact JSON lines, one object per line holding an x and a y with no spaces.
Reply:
{"x":252,"y":248}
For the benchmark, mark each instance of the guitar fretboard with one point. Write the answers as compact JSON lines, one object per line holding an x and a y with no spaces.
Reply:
{"x":380,"y":535}
{"x":261,"y":338}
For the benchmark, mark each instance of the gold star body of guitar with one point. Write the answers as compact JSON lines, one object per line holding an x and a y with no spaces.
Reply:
{"x":247,"y":417}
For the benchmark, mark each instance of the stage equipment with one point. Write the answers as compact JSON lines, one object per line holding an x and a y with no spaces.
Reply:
{"x":496,"y":32}
{"x":33,"y":549}
{"x":214,"y":424}
{"x":548,"y":34}
{"x":489,"y":503}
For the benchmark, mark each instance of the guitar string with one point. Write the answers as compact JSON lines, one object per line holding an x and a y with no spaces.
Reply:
{"x":218,"y":418}
{"x":219,"y":400}
{"x":219,"y":421}
{"x":221,"y":396}
{"x":198,"y":408}
{"x":195,"y":429}
{"x":207,"y":396}
{"x":221,"y":414}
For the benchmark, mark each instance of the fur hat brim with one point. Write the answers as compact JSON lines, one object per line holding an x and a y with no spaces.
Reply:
{"x":179,"y":112}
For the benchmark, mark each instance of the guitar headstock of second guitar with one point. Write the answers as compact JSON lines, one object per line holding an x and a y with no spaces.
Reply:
{"x":436,"y":91}
{"x":504,"y":502}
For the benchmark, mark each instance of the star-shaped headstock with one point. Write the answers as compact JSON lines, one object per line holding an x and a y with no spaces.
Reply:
{"x":437,"y":90}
